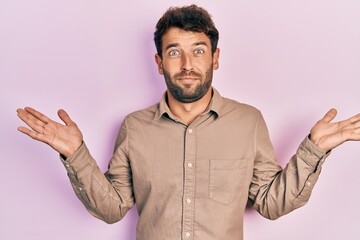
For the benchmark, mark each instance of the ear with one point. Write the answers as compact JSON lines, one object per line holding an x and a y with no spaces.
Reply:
{"x":158,"y":61}
{"x":216,"y":56}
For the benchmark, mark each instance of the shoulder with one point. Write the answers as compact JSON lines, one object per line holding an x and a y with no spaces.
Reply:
{"x":142,"y":116}
{"x":231,"y":106}
{"x":135,"y":121}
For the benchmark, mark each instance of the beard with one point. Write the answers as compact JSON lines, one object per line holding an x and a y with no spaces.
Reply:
{"x":189,"y":93}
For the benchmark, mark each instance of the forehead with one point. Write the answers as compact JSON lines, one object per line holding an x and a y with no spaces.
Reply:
{"x":183,"y":37}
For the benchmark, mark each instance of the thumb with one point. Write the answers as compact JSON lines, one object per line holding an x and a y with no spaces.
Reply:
{"x":329,"y":116}
{"x":65,"y":117}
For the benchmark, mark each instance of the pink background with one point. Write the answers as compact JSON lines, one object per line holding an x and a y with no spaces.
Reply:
{"x":292,"y":59}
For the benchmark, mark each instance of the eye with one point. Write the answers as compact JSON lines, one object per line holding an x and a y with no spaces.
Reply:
{"x":199,"y":51}
{"x":174,"y":53}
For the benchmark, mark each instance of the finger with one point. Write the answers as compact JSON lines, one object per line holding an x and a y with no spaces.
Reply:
{"x":26,"y":116}
{"x":350,"y":122}
{"x":353,"y":130}
{"x":37,"y":114}
{"x":65,"y":117}
{"x":32,"y":134}
{"x":329,"y":116}
{"x":355,"y":118}
{"x":31,"y":121}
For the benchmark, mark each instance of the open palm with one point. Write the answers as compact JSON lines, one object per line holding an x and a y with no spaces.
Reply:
{"x":65,"y":139}
{"x":327,"y":135}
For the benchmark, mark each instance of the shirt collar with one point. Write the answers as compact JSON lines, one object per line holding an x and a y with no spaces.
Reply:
{"x":214,"y":106}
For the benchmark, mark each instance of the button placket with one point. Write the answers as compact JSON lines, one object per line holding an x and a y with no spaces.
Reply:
{"x":189,"y":183}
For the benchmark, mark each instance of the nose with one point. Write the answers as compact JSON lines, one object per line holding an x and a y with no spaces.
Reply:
{"x":187,"y":64}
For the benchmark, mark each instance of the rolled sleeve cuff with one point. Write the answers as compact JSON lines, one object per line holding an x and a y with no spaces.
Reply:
{"x":78,"y":160}
{"x":312,"y":154}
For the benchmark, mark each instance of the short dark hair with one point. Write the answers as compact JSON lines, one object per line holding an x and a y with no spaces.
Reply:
{"x":189,"y":18}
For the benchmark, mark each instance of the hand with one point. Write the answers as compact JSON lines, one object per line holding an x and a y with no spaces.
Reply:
{"x":328,"y":135}
{"x":65,"y":139}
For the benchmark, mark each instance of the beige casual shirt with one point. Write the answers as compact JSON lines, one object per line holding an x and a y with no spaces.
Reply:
{"x":193,"y":182}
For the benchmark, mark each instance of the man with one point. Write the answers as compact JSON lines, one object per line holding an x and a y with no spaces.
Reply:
{"x":191,"y":161}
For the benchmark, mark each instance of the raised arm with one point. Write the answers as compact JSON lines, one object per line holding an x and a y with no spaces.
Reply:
{"x":65,"y":139}
{"x":275,"y":192}
{"x":106,"y":197}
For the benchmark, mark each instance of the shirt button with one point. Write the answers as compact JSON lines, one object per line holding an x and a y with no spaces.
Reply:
{"x":322,"y":160}
{"x":188,"y":200}
{"x":80,"y":189}
{"x":187,"y":234}
{"x":190,"y":130}
{"x":189,"y":164}
{"x":308,"y":183}
{"x":67,"y":165}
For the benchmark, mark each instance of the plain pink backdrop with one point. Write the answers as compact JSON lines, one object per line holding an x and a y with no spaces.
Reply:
{"x":293,"y":60}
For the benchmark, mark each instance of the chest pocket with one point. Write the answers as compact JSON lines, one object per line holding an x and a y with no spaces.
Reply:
{"x":227,"y":179}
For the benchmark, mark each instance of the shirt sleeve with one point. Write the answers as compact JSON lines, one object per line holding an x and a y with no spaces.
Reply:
{"x":274,"y":191}
{"x":106,"y":196}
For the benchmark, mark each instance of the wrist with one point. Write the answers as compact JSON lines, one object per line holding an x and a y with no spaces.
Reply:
{"x":67,"y":153}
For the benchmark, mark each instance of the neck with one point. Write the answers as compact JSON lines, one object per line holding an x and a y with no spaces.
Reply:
{"x":188,"y":112}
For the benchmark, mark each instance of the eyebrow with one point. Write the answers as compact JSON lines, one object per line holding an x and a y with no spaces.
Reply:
{"x":171,"y":45}
{"x":200,"y":43}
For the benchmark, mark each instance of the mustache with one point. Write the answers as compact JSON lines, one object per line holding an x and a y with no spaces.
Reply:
{"x":187,"y":74}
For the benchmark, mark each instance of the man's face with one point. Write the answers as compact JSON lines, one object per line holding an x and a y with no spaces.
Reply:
{"x":187,"y":64}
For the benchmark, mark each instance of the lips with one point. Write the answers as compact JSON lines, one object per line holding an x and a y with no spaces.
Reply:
{"x":187,"y":78}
